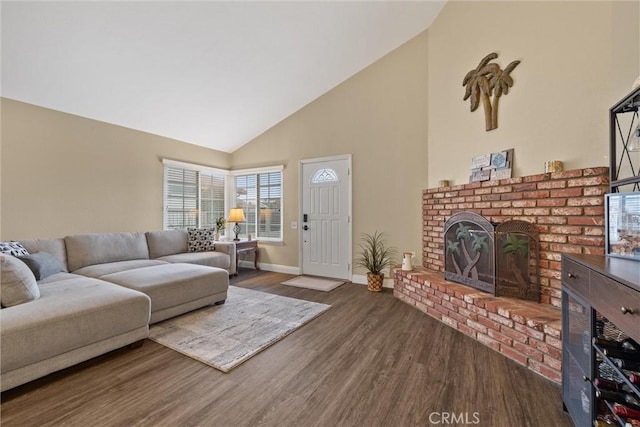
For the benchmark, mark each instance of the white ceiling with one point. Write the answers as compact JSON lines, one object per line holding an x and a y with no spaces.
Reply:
{"x":215,"y":74}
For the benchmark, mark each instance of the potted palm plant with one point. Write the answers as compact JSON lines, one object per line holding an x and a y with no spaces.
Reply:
{"x":375,"y":256}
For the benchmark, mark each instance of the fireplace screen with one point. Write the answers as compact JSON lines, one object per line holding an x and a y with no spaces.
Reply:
{"x":517,"y":260}
{"x":501,"y":259}
{"x":469,"y":251}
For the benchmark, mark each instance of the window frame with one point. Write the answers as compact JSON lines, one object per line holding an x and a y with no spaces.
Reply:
{"x":200,"y":170}
{"x":257,"y":172}
{"x":230,"y":196}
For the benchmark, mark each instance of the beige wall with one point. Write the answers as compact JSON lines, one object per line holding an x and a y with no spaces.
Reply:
{"x":578,"y":58}
{"x":63,"y":174}
{"x":625,"y":65}
{"x":380,"y":117}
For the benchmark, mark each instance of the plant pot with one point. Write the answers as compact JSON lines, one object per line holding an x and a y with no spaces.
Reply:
{"x":374,"y":282}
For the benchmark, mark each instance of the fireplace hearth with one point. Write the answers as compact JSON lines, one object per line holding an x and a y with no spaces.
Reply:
{"x":501,"y":259}
{"x":564,"y":208}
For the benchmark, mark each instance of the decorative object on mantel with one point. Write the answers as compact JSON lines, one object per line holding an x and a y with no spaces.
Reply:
{"x":443,"y":183}
{"x":407,"y":261}
{"x":492,"y":166}
{"x":375,"y":256}
{"x":487,"y":80}
{"x":553,"y":166}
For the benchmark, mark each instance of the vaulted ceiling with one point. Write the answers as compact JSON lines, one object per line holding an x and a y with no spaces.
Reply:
{"x":215,"y":74}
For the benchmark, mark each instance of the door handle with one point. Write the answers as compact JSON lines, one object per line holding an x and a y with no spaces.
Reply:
{"x":305,"y":227}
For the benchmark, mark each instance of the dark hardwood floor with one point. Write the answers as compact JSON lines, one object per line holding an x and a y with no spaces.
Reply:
{"x":371,"y":360}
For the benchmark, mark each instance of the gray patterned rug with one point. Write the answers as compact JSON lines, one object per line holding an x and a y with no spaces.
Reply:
{"x":224,"y":336}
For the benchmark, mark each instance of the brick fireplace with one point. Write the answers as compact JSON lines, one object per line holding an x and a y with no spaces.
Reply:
{"x":567,"y":208}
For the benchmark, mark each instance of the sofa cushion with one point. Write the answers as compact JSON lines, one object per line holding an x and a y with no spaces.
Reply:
{"x":99,"y":270}
{"x":42,"y":264}
{"x":70,"y":314}
{"x":59,"y":276}
{"x":167,"y":242}
{"x":172,"y":284}
{"x":210,"y":259}
{"x":18,"y":282}
{"x":54,"y":247}
{"x":200,"y":239}
{"x":13,"y":248}
{"x":101,"y":248}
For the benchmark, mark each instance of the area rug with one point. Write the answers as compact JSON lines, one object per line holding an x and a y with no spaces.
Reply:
{"x":315,"y":283}
{"x":226,"y":335}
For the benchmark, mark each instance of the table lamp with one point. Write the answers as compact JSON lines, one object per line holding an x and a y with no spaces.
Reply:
{"x":236,"y":215}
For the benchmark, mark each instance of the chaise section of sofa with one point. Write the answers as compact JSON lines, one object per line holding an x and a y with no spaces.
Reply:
{"x":75,"y":318}
{"x":175,"y":288}
{"x":123,"y":259}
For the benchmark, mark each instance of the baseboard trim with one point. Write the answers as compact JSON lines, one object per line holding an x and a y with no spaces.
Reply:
{"x":276,"y":268}
{"x":362,"y":280}
{"x":287,"y":269}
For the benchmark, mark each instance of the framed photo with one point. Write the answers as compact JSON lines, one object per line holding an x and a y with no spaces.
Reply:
{"x":481,"y":161}
{"x":622,"y":225}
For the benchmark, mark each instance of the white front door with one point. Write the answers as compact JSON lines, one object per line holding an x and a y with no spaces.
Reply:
{"x":325,"y":219}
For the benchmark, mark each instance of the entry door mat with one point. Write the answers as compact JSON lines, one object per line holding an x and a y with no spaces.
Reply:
{"x":224,"y":336}
{"x":315,"y":283}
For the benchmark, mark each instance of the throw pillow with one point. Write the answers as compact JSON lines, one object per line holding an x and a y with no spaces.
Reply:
{"x":13,"y":248}
{"x":200,"y":239}
{"x":18,"y":282}
{"x":42,"y":264}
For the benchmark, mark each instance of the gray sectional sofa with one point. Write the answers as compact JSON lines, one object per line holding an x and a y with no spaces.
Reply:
{"x":108,"y":291}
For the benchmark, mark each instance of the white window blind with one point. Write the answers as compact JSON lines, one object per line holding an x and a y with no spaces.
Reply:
{"x":259,"y":194}
{"x":181,"y":198}
{"x":211,"y":199}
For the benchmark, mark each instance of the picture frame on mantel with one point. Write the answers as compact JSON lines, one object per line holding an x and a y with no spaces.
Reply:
{"x":492,"y":166}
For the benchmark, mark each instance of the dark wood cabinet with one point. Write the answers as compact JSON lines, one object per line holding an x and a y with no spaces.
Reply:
{"x":600,"y":298}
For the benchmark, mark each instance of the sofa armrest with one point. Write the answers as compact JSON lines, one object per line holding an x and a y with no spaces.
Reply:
{"x":228,"y":248}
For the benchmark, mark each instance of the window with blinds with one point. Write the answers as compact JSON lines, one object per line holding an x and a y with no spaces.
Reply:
{"x":211,"y":199}
{"x":259,"y":194}
{"x":192,"y":198}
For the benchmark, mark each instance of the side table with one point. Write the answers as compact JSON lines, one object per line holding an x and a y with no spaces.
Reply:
{"x":244,"y":247}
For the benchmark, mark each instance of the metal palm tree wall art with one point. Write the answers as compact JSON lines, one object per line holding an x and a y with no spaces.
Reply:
{"x":487,"y":83}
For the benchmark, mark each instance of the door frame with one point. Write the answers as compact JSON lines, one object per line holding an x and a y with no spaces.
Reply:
{"x":303,"y":162}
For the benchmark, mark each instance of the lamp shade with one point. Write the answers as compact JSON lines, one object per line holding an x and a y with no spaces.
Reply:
{"x":236,"y":215}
